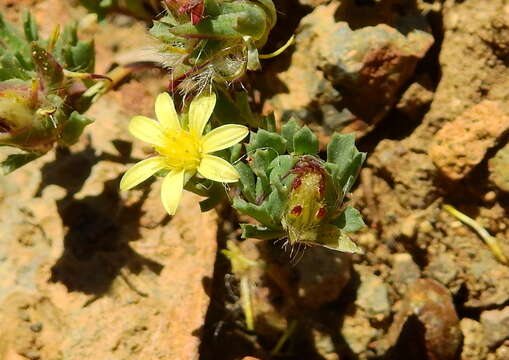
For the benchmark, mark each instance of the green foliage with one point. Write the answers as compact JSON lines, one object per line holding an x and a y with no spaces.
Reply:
{"x":212,"y":40}
{"x":36,"y":78}
{"x":293,"y":193}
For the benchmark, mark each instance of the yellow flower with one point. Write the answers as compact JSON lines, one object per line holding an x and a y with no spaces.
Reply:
{"x":182,"y":151}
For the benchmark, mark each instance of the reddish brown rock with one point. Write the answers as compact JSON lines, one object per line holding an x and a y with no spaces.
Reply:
{"x":426,"y":322}
{"x":462,"y":144}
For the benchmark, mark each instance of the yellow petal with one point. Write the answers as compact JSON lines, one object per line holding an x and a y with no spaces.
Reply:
{"x":171,"y":190}
{"x":217,"y":169}
{"x":199,"y":112}
{"x":141,"y":172}
{"x":166,"y":113}
{"x":147,"y":130}
{"x":223,"y":137}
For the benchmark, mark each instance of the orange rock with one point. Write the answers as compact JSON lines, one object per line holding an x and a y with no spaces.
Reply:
{"x":462,"y":144}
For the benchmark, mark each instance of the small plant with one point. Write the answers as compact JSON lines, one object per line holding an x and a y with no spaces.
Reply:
{"x":294,"y":194}
{"x":45,"y":86}
{"x":212,"y":41}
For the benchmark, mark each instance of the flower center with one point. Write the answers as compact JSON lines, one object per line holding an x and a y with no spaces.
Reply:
{"x":182,"y":150}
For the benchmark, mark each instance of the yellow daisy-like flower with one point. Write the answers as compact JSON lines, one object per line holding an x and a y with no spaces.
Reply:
{"x":182,"y":151}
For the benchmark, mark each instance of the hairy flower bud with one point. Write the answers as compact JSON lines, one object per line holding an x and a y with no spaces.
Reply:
{"x":207,"y":41}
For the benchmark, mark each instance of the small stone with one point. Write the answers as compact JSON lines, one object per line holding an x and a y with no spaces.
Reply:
{"x":462,"y":143}
{"x":474,"y":343}
{"x":502,"y":352}
{"x":414,"y":101}
{"x":496,"y":325}
{"x":425,"y":227}
{"x":324,"y":344}
{"x":443,"y":268}
{"x":404,"y":270}
{"x":367,"y":240}
{"x":372,"y":294}
{"x":499,"y":169}
{"x":357,"y":332}
{"x":490,"y":196}
{"x":408,"y":226}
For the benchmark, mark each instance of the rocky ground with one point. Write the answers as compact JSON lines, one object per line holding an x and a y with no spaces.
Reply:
{"x":88,"y":273}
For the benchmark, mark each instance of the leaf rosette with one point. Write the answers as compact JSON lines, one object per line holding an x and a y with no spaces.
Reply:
{"x":294,"y":194}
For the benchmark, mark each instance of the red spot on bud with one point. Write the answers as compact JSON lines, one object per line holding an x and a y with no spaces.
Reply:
{"x":297,"y":210}
{"x":296,"y":183}
{"x":320,"y":214}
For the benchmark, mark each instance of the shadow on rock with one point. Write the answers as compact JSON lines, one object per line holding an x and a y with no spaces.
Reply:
{"x":69,"y":170}
{"x":96,"y":246}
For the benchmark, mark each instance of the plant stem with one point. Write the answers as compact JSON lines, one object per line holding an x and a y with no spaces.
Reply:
{"x":282,"y":340}
{"x":491,"y":241}
{"x":245,"y":298}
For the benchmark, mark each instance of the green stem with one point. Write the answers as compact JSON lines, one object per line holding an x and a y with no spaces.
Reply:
{"x":282,"y":340}
{"x":491,"y":241}
{"x":245,"y":299}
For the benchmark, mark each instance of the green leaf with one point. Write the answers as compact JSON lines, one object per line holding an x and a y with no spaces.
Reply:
{"x":30,"y":26}
{"x":12,"y":39}
{"x":247,"y":181}
{"x":288,"y":131}
{"x":74,"y":128}
{"x":212,"y":8}
{"x":278,"y":198}
{"x":235,"y":153}
{"x":222,"y":27}
{"x":10,"y":68}
{"x":260,"y":232}
{"x":280,"y":175}
{"x":267,"y":140}
{"x":351,"y":172}
{"x":47,"y":67}
{"x":257,"y":212}
{"x":16,"y":161}
{"x":269,"y":122}
{"x":350,"y":220}
{"x":305,"y":142}
{"x":83,"y":56}
{"x":270,"y":10}
{"x":260,"y":166}
{"x":334,"y":238}
{"x":340,"y":148}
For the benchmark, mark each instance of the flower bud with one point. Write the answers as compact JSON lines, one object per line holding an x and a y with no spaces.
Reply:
{"x":24,"y":122}
{"x":208,"y":41}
